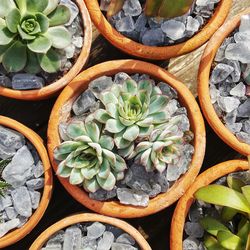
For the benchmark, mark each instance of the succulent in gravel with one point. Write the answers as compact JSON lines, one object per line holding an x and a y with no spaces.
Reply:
{"x":162,"y":147}
{"x":235,"y":202}
{"x":30,"y":31}
{"x":156,"y":8}
{"x":3,"y":184}
{"x":131,"y":111}
{"x":88,"y":158}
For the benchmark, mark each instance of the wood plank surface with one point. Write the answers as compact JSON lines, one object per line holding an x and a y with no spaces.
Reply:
{"x":36,"y":114}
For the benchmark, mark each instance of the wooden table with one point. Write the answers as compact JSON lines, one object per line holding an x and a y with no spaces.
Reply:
{"x":36,"y":114}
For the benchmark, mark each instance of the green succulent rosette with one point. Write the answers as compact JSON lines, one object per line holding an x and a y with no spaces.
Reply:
{"x":31,"y":32}
{"x":131,"y":111}
{"x":87,"y":159}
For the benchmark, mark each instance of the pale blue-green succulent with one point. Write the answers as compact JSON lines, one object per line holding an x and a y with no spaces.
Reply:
{"x":161,"y":148}
{"x":131,"y":111}
{"x":30,"y":31}
{"x":87,"y":159}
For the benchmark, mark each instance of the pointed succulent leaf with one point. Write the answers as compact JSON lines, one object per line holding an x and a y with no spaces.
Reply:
{"x":36,"y":6}
{"x":52,"y":5}
{"x":59,"y":16}
{"x":119,"y":176}
{"x":76,"y":177}
{"x":159,"y":117}
{"x":49,"y":62}
{"x":107,"y":183}
{"x":126,"y":122}
{"x":223,"y":196}
{"x":235,"y":183}
{"x":106,"y":142}
{"x":59,"y":36}
{"x":63,"y":170}
{"x":146,"y":122}
{"x":3,"y":49}
{"x":83,"y":138}
{"x":98,"y":150}
{"x":41,"y":45}
{"x":75,"y":129}
{"x":229,"y":240}
{"x":6,"y":6}
{"x":93,"y":131}
{"x":130,"y":86}
{"x":145,"y":157}
{"x":90,"y":172}
{"x":212,"y":244}
{"x":158,"y":104}
{"x":32,"y":66}
{"x":5,"y":35}
{"x":120,"y":165}
{"x":146,"y":131}
{"x":104,"y":169}
{"x":108,"y":97}
{"x":101,"y":115}
{"x":43,"y":22}
{"x":146,"y":85}
{"x":12,"y":20}
{"x":126,"y":152}
{"x":91,"y":185}
{"x":24,"y":35}
{"x":158,"y":146}
{"x":114,"y":126}
{"x":131,"y":133}
{"x":161,"y":166}
{"x":120,"y":142}
{"x":212,"y":226}
{"x":17,"y":51}
{"x":112,"y":110}
{"x":110,"y":156}
{"x":66,"y":148}
{"x":142,"y":146}
{"x":114,"y":7}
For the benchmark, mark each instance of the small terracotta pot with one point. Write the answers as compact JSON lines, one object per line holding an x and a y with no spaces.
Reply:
{"x":203,"y":86}
{"x":61,"y":112}
{"x":53,"y":88}
{"x":17,"y":234}
{"x":184,"y":204}
{"x":152,"y":52}
{"x":87,"y":217}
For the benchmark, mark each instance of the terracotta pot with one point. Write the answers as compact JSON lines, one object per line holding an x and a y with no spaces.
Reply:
{"x":203,"y":86}
{"x":184,"y":204}
{"x":152,"y":52}
{"x":87,"y":217}
{"x":17,"y":234}
{"x":55,"y":87}
{"x":61,"y":111}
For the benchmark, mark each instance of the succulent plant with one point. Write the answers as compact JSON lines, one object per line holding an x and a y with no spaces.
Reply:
{"x":3,"y":184}
{"x":30,"y":31}
{"x":88,"y":158}
{"x":156,"y":8}
{"x":131,"y":111}
{"x":235,"y":201}
{"x":162,"y":147}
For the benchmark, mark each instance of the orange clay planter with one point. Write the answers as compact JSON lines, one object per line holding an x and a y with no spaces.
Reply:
{"x":184,"y":204}
{"x":53,"y":88}
{"x":61,"y":112}
{"x":17,"y":234}
{"x":151,"y":52}
{"x":203,"y":86}
{"x":85,"y":217}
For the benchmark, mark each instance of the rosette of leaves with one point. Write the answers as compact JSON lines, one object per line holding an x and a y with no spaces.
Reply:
{"x":156,"y":8}
{"x":131,"y":111}
{"x":163,"y":146}
{"x":232,"y":230}
{"x":30,"y":31}
{"x":88,"y":159}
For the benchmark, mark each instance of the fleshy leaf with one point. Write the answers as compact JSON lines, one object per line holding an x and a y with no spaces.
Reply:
{"x":49,"y":62}
{"x":93,"y":131}
{"x":59,"y":16}
{"x":110,"y":156}
{"x":89,"y":173}
{"x":131,"y":133}
{"x":91,"y":185}
{"x":246,"y":193}
{"x":63,"y":170}
{"x":36,"y":6}
{"x":75,"y":130}
{"x":12,"y":20}
{"x":114,"y":126}
{"x":212,"y":244}
{"x":114,"y":7}
{"x":108,"y":183}
{"x":152,"y":7}
{"x":229,"y":240}
{"x":43,"y":22}
{"x":104,"y":169}
{"x":120,"y":142}
{"x":158,"y":104}
{"x":106,"y":142}
{"x":127,"y":152}
{"x":59,"y":36}
{"x":52,"y":4}
{"x":5,"y":35}
{"x":101,"y":115}
{"x":3,"y":49}
{"x":228,"y":213}
{"x":108,"y":97}
{"x":244,"y":231}
{"x":41,"y":44}
{"x":6,"y":6}
{"x":22,"y":6}
{"x":223,"y":196}
{"x":17,"y":51}
{"x":235,"y":183}
{"x":76,"y":177}
{"x":66,"y":148}
{"x":130,"y":86}
{"x":32,"y":66}
{"x":24,"y":35}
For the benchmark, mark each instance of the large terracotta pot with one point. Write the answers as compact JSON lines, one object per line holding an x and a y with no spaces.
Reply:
{"x":87,"y":217}
{"x":152,"y":52}
{"x":51,"y":90}
{"x":203,"y":86}
{"x":184,"y":204}
{"x":61,"y":111}
{"x":17,"y":234}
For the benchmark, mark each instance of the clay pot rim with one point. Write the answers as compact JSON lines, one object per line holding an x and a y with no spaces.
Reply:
{"x":51,"y":89}
{"x":203,"y":86}
{"x":17,"y":234}
{"x":184,"y":204}
{"x":78,"y":85}
{"x":152,"y":52}
{"x":89,"y":217}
